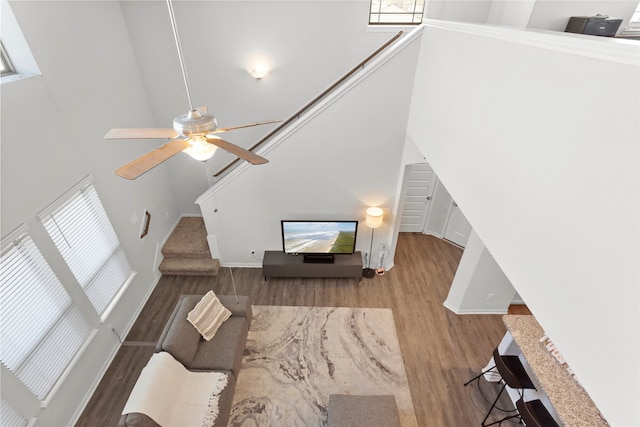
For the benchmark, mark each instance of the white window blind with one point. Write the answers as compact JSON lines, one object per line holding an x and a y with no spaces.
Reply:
{"x":82,"y":232}
{"x":9,"y":417}
{"x":40,"y":330}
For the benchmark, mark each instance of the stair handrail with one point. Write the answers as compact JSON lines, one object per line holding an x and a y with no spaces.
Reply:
{"x":314,"y":101}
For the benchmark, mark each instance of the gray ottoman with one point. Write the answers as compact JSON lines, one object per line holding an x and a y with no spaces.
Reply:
{"x":346,"y":410}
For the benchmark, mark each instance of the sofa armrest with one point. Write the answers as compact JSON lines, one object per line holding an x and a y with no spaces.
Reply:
{"x":136,"y":419}
{"x":167,"y":326}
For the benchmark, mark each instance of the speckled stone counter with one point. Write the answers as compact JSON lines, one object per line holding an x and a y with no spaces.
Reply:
{"x":571,"y":402}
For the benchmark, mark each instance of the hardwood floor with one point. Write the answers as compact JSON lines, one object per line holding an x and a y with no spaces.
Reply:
{"x":441,"y":350}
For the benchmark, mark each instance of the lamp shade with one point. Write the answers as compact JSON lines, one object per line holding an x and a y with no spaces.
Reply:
{"x":374,"y":217}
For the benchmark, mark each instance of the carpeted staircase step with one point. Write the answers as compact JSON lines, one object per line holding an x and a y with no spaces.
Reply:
{"x":188,"y":239}
{"x":190,"y":266}
{"x":186,"y":251}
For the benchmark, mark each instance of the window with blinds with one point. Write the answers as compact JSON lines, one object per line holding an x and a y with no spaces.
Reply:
{"x":40,"y":330}
{"x":82,"y":232}
{"x":9,"y":417}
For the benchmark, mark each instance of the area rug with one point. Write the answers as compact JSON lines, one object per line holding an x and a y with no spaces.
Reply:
{"x":297,"y":356}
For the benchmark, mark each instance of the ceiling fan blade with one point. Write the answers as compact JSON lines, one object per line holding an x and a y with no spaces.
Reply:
{"x":142,"y":164}
{"x":247,"y":155}
{"x":219,"y":130}
{"x":141,"y":134}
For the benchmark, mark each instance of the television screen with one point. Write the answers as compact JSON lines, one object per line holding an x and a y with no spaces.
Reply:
{"x":319,"y":237}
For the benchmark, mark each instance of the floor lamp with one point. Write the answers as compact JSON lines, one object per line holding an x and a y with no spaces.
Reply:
{"x":373,"y":221}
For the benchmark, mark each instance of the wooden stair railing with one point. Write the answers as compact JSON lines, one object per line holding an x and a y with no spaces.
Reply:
{"x":315,"y":100}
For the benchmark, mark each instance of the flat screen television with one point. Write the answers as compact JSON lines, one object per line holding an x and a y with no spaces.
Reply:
{"x":319,"y":237}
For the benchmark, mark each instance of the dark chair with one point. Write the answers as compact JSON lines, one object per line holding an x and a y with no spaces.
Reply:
{"x":513,"y":375}
{"x":535,"y":414}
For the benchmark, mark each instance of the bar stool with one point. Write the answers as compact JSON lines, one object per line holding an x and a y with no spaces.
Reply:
{"x":513,"y":375}
{"x":535,"y":414}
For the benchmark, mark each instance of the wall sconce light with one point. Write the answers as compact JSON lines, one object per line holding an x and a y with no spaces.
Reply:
{"x":373,"y":221}
{"x":258,"y":71}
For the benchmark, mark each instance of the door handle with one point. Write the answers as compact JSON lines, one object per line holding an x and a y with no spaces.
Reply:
{"x":455,"y":205}
{"x":428,"y":197}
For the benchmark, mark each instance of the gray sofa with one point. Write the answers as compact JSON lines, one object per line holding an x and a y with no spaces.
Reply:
{"x":223,"y":353}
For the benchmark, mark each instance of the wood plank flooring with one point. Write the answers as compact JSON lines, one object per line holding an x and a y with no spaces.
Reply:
{"x":441,"y":350}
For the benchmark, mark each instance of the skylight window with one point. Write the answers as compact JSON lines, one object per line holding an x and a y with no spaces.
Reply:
{"x":7,"y":67}
{"x":396,"y":12}
{"x":17,"y":61}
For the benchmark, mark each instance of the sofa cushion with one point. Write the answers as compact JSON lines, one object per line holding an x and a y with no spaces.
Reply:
{"x":208,"y":315}
{"x":239,"y":307}
{"x":181,"y":339}
{"x":224,"y":351}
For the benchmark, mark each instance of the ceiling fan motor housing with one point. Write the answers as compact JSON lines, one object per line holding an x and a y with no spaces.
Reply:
{"x":195,"y":122}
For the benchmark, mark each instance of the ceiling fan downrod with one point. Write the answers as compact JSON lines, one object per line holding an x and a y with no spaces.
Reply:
{"x":179,"y":49}
{"x":194,"y":122}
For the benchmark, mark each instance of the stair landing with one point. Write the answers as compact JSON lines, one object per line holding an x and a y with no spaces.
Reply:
{"x":186,"y":252}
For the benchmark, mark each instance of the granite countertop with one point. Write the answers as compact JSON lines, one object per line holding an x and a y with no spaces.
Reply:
{"x":571,"y":402}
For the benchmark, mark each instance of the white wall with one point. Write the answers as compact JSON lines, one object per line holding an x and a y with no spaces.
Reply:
{"x":346,"y":159}
{"x":52,"y":136}
{"x":535,"y":135}
{"x":458,"y":10}
{"x":539,"y":14}
{"x":512,"y":13}
{"x":479,"y":285}
{"x":555,"y":15}
{"x":308,"y":44}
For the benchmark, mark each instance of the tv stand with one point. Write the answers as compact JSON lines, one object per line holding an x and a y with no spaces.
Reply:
{"x":318,"y":258}
{"x":279,"y":264}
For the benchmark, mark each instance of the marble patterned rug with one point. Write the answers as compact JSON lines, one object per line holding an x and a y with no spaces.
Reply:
{"x":297,"y":356}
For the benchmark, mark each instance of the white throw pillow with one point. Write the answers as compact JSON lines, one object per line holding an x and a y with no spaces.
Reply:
{"x":208,"y":315}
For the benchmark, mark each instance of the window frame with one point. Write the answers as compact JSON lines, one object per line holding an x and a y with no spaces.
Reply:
{"x":7,"y":66}
{"x":64,"y":220}
{"x":60,"y":332}
{"x":412,"y":15}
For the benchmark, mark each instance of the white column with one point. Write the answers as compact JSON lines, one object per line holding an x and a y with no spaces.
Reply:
{"x":479,"y":286}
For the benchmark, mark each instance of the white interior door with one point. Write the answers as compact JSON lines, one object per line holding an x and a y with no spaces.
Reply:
{"x":418,"y":190}
{"x":458,"y":228}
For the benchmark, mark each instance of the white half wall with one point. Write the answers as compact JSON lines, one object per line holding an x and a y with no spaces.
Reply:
{"x":535,"y":135}
{"x":348,"y":157}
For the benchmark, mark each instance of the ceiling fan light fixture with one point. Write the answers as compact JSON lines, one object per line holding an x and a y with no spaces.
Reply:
{"x":195,"y":122}
{"x":199,"y":149}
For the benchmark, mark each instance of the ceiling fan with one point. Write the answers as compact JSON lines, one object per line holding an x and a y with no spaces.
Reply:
{"x":193,"y":132}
